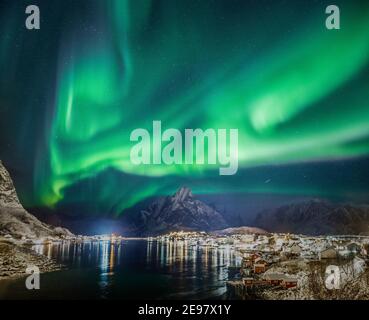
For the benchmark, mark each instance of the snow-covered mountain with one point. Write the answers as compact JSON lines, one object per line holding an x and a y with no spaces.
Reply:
{"x":15,"y":221}
{"x":316,"y":217}
{"x":239,"y":231}
{"x":179,"y":212}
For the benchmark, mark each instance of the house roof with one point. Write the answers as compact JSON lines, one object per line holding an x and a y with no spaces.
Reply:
{"x":279,"y":276}
{"x":260,"y":260}
{"x":353,"y":245}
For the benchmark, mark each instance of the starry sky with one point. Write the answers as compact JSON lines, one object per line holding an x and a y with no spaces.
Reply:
{"x":72,"y":92}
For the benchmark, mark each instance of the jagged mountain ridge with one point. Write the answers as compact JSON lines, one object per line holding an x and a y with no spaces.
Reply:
{"x":316,"y":217}
{"x":179,"y":212}
{"x":15,"y":220}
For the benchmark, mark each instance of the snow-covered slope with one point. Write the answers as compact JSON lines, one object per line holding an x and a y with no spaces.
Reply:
{"x":15,"y":220}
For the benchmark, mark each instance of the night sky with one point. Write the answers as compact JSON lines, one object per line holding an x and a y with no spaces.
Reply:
{"x":72,"y":92}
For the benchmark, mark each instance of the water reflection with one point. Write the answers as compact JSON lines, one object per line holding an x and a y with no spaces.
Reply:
{"x":194,"y":270}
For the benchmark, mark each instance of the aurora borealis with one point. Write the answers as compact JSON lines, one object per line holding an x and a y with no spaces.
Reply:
{"x":72,"y":92}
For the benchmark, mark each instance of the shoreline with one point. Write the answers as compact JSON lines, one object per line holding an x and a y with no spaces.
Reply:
{"x":16,"y":257}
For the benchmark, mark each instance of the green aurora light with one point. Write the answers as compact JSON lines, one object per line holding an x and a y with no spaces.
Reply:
{"x":296,"y":91}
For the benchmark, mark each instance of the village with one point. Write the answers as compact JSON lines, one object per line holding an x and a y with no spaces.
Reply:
{"x":284,"y":264}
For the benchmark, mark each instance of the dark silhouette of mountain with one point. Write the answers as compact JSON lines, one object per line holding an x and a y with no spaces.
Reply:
{"x":15,"y":221}
{"x":316,"y":217}
{"x":178,"y":212}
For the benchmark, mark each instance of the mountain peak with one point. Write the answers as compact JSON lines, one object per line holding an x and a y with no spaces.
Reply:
{"x":182,"y":194}
{"x":180,"y":211}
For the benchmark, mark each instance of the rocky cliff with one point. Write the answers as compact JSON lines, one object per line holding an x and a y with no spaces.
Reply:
{"x":15,"y":221}
{"x":8,"y":195}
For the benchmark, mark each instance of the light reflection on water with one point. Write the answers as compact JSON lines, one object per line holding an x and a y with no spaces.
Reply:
{"x":190,"y":270}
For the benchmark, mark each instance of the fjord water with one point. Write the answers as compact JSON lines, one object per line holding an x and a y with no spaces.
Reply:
{"x":132,"y":269}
